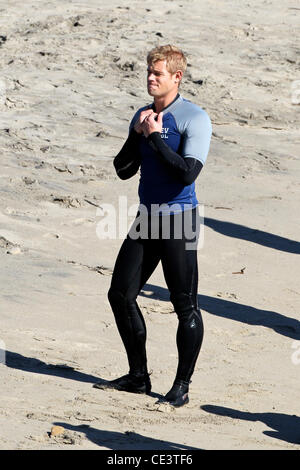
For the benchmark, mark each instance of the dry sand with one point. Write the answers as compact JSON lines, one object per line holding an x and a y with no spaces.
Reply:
{"x":72,"y":75}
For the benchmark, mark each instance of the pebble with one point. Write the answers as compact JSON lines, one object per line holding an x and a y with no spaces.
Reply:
{"x":165,"y":408}
{"x":56,"y":431}
{"x":15,"y":250}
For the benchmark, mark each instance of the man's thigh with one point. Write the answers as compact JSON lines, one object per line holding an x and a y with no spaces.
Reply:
{"x":135,"y":263}
{"x":179,"y":267}
{"x":179,"y":255}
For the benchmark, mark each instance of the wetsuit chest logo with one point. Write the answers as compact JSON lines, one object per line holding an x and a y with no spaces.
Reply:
{"x":164,"y":132}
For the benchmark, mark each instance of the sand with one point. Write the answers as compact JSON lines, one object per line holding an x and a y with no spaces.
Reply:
{"x":72,"y":75}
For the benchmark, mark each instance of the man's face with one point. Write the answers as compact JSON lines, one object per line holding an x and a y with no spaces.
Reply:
{"x":160,"y":82}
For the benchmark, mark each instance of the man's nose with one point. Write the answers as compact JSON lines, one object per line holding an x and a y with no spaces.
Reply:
{"x":151,"y":77}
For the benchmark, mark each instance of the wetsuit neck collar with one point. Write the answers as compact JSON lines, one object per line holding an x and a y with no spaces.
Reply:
{"x":169,"y":105}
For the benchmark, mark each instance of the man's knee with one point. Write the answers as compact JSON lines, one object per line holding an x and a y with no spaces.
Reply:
{"x":118,"y":300}
{"x":183,"y":304}
{"x":115,"y":297}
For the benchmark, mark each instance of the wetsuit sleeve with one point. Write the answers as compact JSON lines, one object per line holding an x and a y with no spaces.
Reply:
{"x":186,"y":169}
{"x":128,"y":160}
{"x":196,"y":136}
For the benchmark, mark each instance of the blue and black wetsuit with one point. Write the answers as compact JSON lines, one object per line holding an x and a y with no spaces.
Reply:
{"x":170,"y":161}
{"x":169,"y":164}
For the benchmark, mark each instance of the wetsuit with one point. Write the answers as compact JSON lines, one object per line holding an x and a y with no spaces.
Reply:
{"x":169,"y":164}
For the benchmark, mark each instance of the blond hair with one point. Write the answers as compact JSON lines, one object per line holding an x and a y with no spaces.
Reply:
{"x":174,"y":57}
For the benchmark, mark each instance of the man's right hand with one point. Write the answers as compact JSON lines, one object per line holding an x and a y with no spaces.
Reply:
{"x":140,"y":120}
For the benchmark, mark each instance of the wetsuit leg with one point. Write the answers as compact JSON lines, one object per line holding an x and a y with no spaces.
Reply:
{"x":135,"y":263}
{"x":181,"y":274}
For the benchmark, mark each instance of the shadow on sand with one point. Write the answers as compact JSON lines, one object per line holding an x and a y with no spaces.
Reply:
{"x":124,"y":441}
{"x":30,"y":364}
{"x":253,"y":235}
{"x":281,"y":324}
{"x":285,"y":427}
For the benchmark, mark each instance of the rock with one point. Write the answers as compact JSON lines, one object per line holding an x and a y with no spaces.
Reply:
{"x":67,"y":201}
{"x":165,"y":408}
{"x":28,"y":180}
{"x":56,"y":431}
{"x":198,"y":82}
{"x":15,"y":250}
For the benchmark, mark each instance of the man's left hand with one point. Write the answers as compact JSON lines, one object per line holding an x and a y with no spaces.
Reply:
{"x":152,"y":123}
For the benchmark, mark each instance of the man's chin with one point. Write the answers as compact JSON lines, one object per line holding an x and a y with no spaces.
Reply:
{"x":152,"y":92}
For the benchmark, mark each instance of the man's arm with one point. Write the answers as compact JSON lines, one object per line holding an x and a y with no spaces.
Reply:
{"x":128,"y":160}
{"x":186,"y":169}
{"x":194,"y":150}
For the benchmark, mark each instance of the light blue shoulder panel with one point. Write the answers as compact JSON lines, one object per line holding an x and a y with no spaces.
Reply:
{"x":194,"y":125}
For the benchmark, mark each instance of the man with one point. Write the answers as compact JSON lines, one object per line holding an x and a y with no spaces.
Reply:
{"x":169,"y":141}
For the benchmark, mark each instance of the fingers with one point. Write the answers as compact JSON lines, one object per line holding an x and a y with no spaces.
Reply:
{"x":154,"y":118}
{"x":145,"y":114}
{"x":137,"y":127}
{"x":152,"y":122}
{"x":151,"y":117}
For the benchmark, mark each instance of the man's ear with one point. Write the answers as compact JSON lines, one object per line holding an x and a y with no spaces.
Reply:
{"x":178,"y":76}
